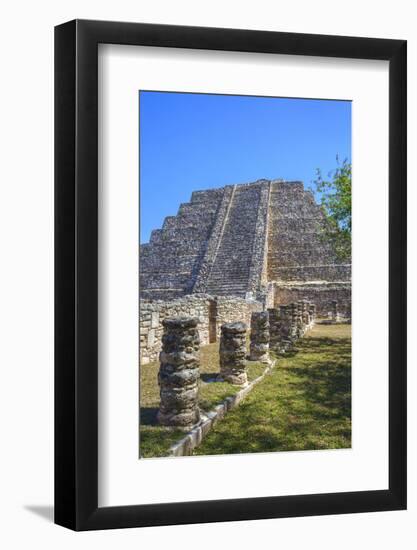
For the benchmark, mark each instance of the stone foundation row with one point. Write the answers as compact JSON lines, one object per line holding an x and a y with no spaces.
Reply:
{"x":290,"y":322}
{"x":179,"y":372}
{"x":186,"y":445}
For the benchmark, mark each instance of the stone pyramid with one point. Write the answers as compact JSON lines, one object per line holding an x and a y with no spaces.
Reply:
{"x":260,"y":240}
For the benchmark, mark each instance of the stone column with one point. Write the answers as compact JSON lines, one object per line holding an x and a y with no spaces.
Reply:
{"x":294,"y":322}
{"x":335,"y":312}
{"x":285,"y":326}
{"x":179,"y":373}
{"x":312,"y":312}
{"x":300,"y":319}
{"x":233,"y":353}
{"x":259,"y":336}
{"x":306,"y":314}
{"x":274,"y":329}
{"x":301,"y":325}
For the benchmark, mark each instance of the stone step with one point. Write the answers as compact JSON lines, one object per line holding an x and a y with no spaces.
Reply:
{"x":222,"y":279}
{"x":231,"y":268}
{"x":226,"y":290}
{"x":240,"y":293}
{"x":171,"y":258}
{"x":294,"y":241}
{"x":228,"y":282}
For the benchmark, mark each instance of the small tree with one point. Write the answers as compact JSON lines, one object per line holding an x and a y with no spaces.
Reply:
{"x":335,"y":194}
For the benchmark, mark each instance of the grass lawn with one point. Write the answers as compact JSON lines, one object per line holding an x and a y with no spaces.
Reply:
{"x":155,"y":440}
{"x":302,"y":404}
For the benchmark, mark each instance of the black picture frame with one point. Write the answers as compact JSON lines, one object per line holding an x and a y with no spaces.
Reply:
{"x":76,"y":272}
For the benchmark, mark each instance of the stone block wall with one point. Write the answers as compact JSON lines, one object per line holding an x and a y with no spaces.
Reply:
{"x":211,"y":312}
{"x":152,"y":314}
{"x":231,"y":309}
{"x":321,"y":294}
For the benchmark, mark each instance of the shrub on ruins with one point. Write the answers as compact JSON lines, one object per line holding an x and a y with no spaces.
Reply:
{"x":335,"y":195}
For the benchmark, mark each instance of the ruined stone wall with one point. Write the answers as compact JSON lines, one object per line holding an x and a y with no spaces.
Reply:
{"x":334,"y":273}
{"x":321,"y":294}
{"x":151,"y":315}
{"x":211,"y":313}
{"x":232,"y":309}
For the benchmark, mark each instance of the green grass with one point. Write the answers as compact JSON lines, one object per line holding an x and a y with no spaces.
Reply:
{"x":155,"y":440}
{"x":302,"y":404}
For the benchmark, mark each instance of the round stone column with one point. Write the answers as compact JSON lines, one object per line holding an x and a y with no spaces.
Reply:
{"x":312,"y":313}
{"x":274,"y":329}
{"x":233,"y":353}
{"x":285,"y":315}
{"x":179,"y":373}
{"x":294,"y":321}
{"x":335,"y":311}
{"x":300,"y":321}
{"x":259,"y":336}
{"x":305,"y":313}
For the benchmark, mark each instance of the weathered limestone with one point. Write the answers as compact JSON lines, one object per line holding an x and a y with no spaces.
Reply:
{"x":296,"y":249}
{"x":179,"y":373}
{"x":212,"y":245}
{"x":259,"y":337}
{"x":240,"y":248}
{"x":290,"y":322}
{"x":303,"y":317}
{"x":211,"y":311}
{"x":335,"y":311}
{"x":321,"y":293}
{"x":261,"y":240}
{"x":294,"y":324}
{"x":299,"y":321}
{"x":231,"y":309}
{"x":305,"y":312}
{"x":152,"y":315}
{"x":312,"y":313}
{"x":170,"y":261}
{"x":233,"y":353}
{"x":274,"y":329}
{"x":285,"y":326}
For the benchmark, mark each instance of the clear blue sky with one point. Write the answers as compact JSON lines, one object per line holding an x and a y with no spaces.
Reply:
{"x":199,"y":141}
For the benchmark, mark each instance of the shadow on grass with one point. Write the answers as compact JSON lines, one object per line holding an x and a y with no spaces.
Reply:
{"x":209,"y":377}
{"x":148,"y":416}
{"x":154,"y":441}
{"x":304,"y":404}
{"x":326,"y":384}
